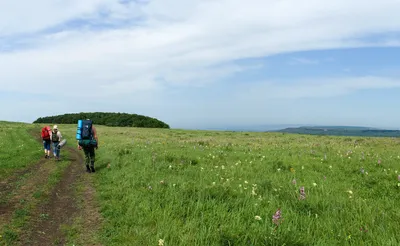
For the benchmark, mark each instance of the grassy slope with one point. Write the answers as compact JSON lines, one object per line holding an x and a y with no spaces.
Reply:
{"x":18,"y":150}
{"x":196,"y":188}
{"x":17,"y":147}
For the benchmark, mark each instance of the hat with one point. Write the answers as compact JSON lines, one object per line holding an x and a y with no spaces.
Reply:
{"x":55,"y":127}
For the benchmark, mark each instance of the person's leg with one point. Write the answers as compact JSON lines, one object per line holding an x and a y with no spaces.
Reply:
{"x":56,"y":150}
{"x":47,"y":148}
{"x":87,"y":159}
{"x":92,"y":159}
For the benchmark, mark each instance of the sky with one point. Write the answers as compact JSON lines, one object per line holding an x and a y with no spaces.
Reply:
{"x":200,"y":64}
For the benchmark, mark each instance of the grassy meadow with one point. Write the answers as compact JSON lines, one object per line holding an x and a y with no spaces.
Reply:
{"x":181,"y":187}
{"x":18,"y":148}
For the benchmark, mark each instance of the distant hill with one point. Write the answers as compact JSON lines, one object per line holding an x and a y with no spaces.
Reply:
{"x":107,"y":119}
{"x":342,"y":131}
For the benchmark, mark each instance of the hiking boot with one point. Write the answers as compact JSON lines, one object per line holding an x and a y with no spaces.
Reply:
{"x":88,"y":169}
{"x":92,"y":169}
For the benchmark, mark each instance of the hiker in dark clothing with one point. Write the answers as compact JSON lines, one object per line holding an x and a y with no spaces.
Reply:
{"x":89,"y":149}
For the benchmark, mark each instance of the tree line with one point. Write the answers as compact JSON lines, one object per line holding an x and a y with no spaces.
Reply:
{"x":106,"y":119}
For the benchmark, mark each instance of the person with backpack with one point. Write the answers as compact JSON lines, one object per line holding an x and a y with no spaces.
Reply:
{"x":56,"y":139}
{"x":46,"y":133}
{"x":88,"y":142}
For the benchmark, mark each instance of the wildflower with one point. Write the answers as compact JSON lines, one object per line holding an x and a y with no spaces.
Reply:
{"x":350,"y":192}
{"x":294,"y":181}
{"x":330,"y":167}
{"x":302,"y":193}
{"x":253,"y":191}
{"x":362,"y":170}
{"x":315,"y":184}
{"x":398,"y":177}
{"x":277,"y":217}
{"x":257,"y":217}
{"x":379,"y":161}
{"x":160,"y":242}
{"x":292,"y":170}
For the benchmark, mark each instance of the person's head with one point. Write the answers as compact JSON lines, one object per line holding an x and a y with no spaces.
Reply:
{"x":55,"y":128}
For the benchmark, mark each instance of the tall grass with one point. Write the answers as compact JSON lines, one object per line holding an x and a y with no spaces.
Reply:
{"x":173,"y":187}
{"x":17,"y":147}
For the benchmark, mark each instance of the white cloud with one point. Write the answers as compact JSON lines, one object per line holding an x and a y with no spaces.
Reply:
{"x":312,"y":88}
{"x":177,"y":42}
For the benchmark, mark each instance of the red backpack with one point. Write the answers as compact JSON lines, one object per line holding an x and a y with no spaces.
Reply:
{"x":46,"y":133}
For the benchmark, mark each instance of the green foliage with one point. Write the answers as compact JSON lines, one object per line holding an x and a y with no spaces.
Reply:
{"x":17,"y":147}
{"x":208,"y":188}
{"x":106,"y":119}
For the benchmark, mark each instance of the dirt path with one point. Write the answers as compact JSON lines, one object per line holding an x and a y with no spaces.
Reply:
{"x":69,"y":212}
{"x":12,"y":193}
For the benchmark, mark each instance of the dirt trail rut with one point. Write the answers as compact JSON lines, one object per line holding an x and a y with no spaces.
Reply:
{"x":60,"y":209}
{"x":63,"y":207}
{"x":12,"y":194}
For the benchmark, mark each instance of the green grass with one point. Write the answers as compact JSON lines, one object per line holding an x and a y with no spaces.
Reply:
{"x":17,"y":147}
{"x":206,"y":188}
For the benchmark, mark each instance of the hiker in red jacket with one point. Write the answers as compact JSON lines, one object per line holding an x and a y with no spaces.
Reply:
{"x":46,"y":133}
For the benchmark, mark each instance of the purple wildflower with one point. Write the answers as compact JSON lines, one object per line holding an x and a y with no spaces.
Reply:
{"x":302,"y":193}
{"x":276,"y":217}
{"x":379,"y":161}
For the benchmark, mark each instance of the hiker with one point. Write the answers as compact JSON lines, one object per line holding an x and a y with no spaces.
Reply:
{"x":88,"y":141}
{"x":56,"y":139}
{"x":46,"y":133}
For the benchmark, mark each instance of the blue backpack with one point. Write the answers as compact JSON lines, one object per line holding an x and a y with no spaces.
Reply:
{"x":85,"y":133}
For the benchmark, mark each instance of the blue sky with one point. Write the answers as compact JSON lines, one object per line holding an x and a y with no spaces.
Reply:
{"x":203,"y":64}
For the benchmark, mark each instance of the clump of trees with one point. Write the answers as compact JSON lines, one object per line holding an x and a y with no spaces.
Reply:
{"x":106,"y":119}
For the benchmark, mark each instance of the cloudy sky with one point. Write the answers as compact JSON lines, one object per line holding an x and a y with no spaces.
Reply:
{"x":203,"y":63}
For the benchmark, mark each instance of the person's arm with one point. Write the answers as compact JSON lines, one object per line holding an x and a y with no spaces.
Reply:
{"x":59,"y":135}
{"x":95,"y":135}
